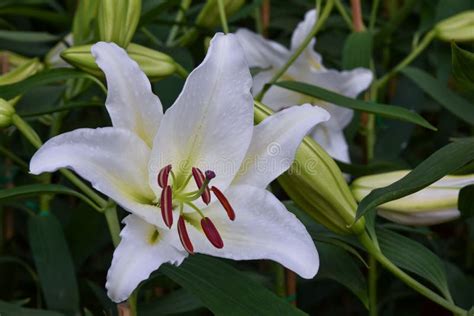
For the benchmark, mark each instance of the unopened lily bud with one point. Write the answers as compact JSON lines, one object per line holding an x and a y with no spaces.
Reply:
{"x":53,"y":57}
{"x":459,"y":27}
{"x":209,"y":15}
{"x":23,"y":71}
{"x":315,"y":183}
{"x":155,"y":64}
{"x":118,"y":20}
{"x":6,"y":113}
{"x":434,"y":204}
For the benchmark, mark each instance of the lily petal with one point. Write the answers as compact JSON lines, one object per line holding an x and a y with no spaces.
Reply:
{"x":275,"y":141}
{"x":332,"y":140}
{"x":143,"y":249}
{"x":114,"y":161}
{"x":348,"y":82}
{"x":263,"y":229}
{"x":299,"y":35}
{"x":210,"y":125}
{"x":130,"y":102}
{"x":260,"y":52}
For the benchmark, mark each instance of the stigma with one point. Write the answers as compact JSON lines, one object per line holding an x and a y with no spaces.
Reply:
{"x":174,"y":198}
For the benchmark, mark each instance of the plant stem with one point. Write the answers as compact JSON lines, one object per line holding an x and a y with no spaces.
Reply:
{"x":221,"y":6}
{"x":317,"y":26}
{"x":373,"y":14}
{"x":357,"y":16}
{"x":342,"y":11}
{"x":424,"y":43}
{"x":407,"y":279}
{"x":179,"y":17}
{"x":372,"y":286}
{"x":180,"y":71}
{"x":112,"y":222}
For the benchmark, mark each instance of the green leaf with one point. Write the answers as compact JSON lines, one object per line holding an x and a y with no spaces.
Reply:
{"x":463,"y":65}
{"x":42,"y":15}
{"x":441,"y":94}
{"x":28,"y":37}
{"x":390,"y":111}
{"x":466,"y":201}
{"x":357,"y":50}
{"x":9,"y":309}
{"x":53,"y":108}
{"x":444,"y":161}
{"x":338,"y":265}
{"x":359,"y":170}
{"x":53,"y":263}
{"x":44,"y":78}
{"x":37,"y":189}
{"x":414,"y":257}
{"x":225,"y":290}
{"x":180,"y":301}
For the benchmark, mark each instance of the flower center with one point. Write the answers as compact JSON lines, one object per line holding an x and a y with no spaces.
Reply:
{"x":175,"y":197}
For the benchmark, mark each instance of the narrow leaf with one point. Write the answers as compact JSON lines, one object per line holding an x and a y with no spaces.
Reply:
{"x":444,"y":161}
{"x":9,"y":309}
{"x":180,"y":301}
{"x":441,"y":94}
{"x":37,"y":189}
{"x":53,"y":263}
{"x":28,"y":37}
{"x":44,"y":78}
{"x":414,"y":257}
{"x":338,"y":265}
{"x":389,"y":111}
{"x":225,"y":290}
{"x":463,"y":65}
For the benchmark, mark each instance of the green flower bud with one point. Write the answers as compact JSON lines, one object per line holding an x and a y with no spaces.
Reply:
{"x":118,"y":20}
{"x":209,"y":15}
{"x":315,"y":183}
{"x":434,"y":204}
{"x":459,"y":27}
{"x":26,"y":69}
{"x":6,"y":113}
{"x":155,"y":64}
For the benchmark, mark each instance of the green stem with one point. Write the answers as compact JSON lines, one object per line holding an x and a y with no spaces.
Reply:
{"x":425,"y":42}
{"x":27,"y":131}
{"x":317,"y":26}
{"x":112,"y":222}
{"x":221,"y":6}
{"x":407,"y":279}
{"x":280,"y":287}
{"x":343,"y":12}
{"x":372,"y":286}
{"x":132,"y":303}
{"x":20,"y":162}
{"x":180,"y":71}
{"x":179,"y":17}
{"x":373,"y":14}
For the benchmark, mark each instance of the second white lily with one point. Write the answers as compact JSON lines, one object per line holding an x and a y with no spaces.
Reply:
{"x":270,"y":56}
{"x":152,"y":165}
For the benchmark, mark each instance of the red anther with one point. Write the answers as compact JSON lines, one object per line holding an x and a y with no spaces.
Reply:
{"x":183,"y":236}
{"x":210,"y":174}
{"x":211,"y":232}
{"x":199,"y":179}
{"x":224,"y":202}
{"x":163,"y":176}
{"x":166,"y":204}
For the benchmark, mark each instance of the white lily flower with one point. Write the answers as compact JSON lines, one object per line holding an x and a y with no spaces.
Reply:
{"x":270,"y":56}
{"x":150,"y":163}
{"x":432,"y":205}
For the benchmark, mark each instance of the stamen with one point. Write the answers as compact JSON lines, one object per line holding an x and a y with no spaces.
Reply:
{"x":163,"y":176}
{"x":200,"y":181}
{"x":183,"y":236}
{"x":166,"y":204}
{"x":224,"y":202}
{"x":211,"y":232}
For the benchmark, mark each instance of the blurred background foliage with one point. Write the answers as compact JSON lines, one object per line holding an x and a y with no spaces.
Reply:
{"x":52,"y":265}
